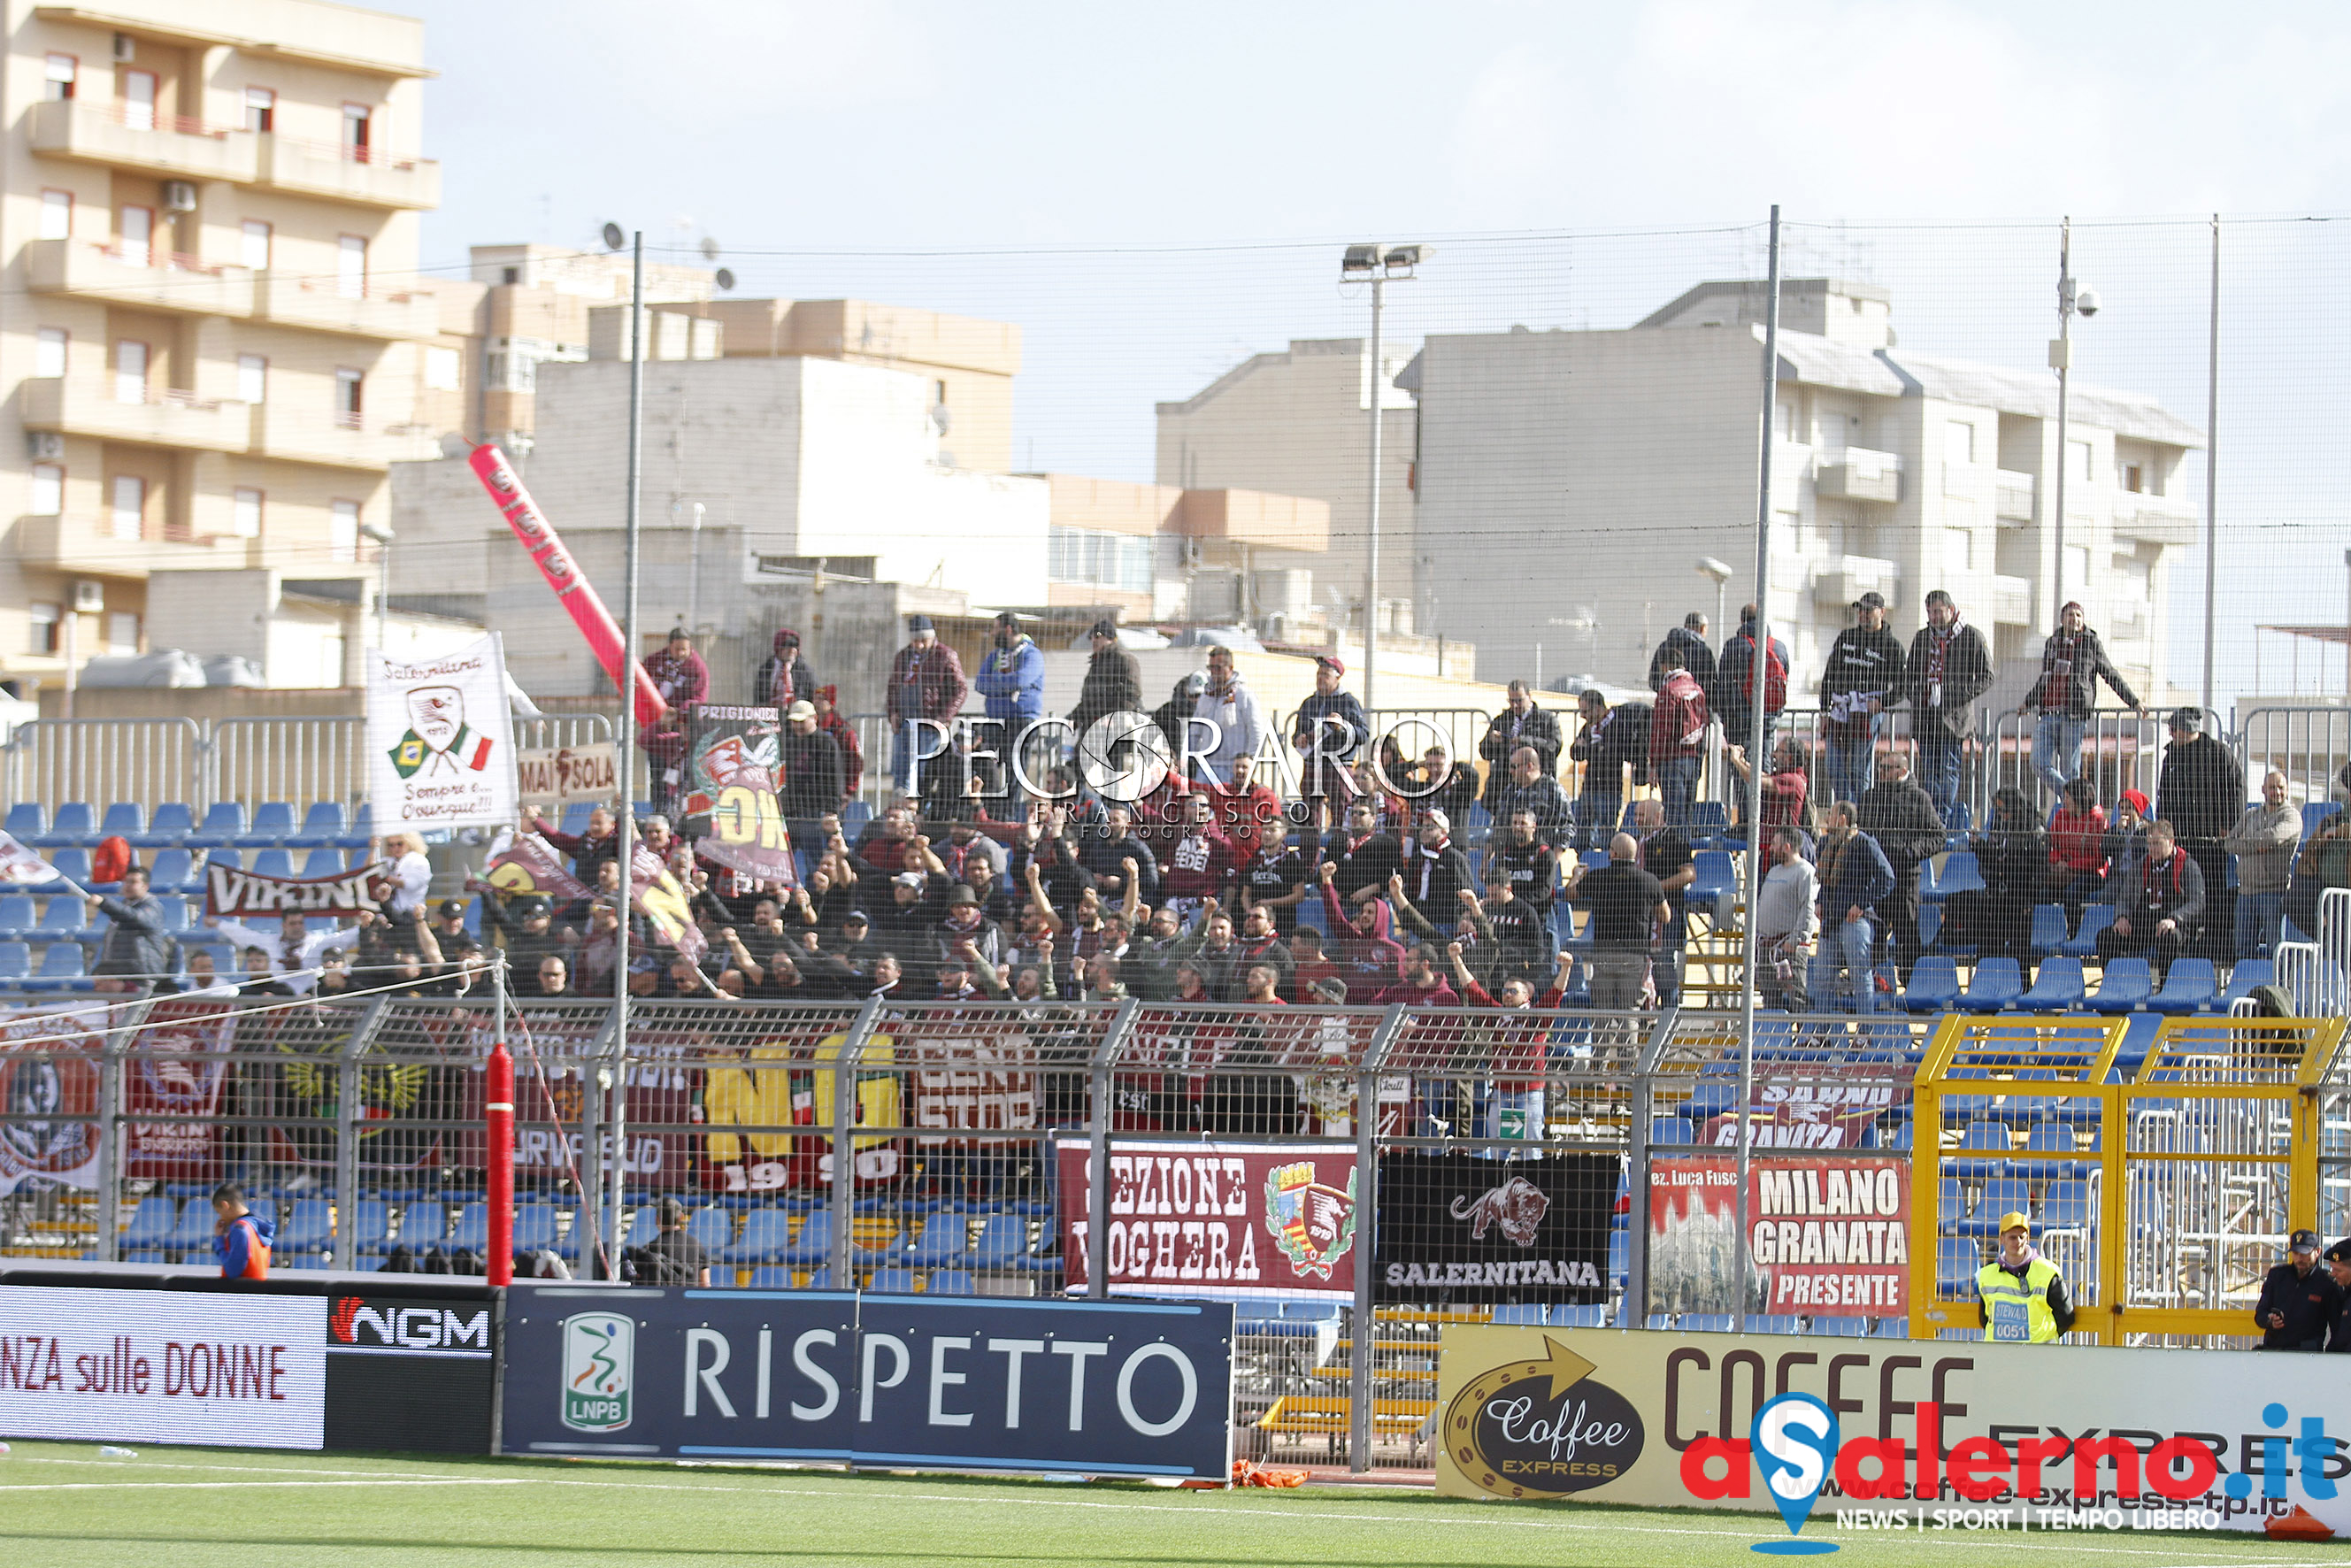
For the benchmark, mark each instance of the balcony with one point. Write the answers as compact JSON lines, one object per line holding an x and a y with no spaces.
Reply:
{"x":105,"y":275}
{"x":2016,"y":496}
{"x":2012,"y":602}
{"x":2157,"y":519}
{"x":175,"y":149}
{"x":85,"y":546}
{"x":1836,"y":586}
{"x":1863,"y":476}
{"x":316,"y":169}
{"x":336,"y":440}
{"x":90,"y":406}
{"x":295,"y":301}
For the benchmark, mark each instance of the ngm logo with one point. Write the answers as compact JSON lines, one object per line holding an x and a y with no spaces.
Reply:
{"x":393,"y":1325}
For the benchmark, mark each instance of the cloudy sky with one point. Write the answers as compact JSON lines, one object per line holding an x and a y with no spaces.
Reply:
{"x":1178,"y":174}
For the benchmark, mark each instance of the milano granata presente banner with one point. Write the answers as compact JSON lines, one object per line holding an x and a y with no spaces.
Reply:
{"x":1194,"y":1219}
{"x":1829,"y":1235}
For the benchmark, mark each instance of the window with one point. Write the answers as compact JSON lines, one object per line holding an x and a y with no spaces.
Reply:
{"x":130,"y":371}
{"x":2133,"y":478}
{"x":252,"y":379}
{"x":350,"y":388}
{"x":2077,"y":573}
{"x":1959,"y":549}
{"x":60,"y":72}
{"x":443,"y":369}
{"x":510,"y":276}
{"x":48,"y":490}
{"x":350,"y":267}
{"x":253,"y":247}
{"x":245,"y":515}
{"x":41,"y":621}
{"x":260,"y":109}
{"x":343,"y":533}
{"x":49,"y":351}
{"x":138,"y":100}
{"x":134,"y":230}
{"x":1958,"y":442}
{"x":56,"y":215}
{"x":1104,"y":560}
{"x":130,"y":510}
{"x":2077,"y":461}
{"x":121,"y":632}
{"x":939,"y":394}
{"x":358,"y":130}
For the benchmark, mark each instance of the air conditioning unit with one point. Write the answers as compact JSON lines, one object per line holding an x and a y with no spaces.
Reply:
{"x":125,"y":48}
{"x":89,"y":597}
{"x":45,"y":445}
{"x":179,"y":195}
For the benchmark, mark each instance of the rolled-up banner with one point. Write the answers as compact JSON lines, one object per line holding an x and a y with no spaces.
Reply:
{"x":229,"y":891}
{"x":536,"y":537}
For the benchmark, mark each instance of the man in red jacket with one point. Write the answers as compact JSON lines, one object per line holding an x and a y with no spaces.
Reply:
{"x":1200,"y":864}
{"x":1247,"y":810}
{"x":1677,"y":737}
{"x":927,"y":687}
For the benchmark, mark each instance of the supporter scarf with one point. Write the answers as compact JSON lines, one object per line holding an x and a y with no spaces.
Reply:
{"x":1938,"y":647}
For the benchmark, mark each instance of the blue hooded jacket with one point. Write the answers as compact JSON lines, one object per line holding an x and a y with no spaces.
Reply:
{"x":1013,"y":681}
{"x":243,"y":1248}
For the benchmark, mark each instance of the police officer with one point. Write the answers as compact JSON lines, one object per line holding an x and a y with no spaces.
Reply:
{"x":2298,"y":1299}
{"x":2338,"y":1332}
{"x":2021,"y":1293}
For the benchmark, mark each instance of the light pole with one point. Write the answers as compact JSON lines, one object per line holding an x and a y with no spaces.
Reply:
{"x":2072,"y":300}
{"x":616,"y":1108}
{"x":1720,"y":572}
{"x":1376,"y":263}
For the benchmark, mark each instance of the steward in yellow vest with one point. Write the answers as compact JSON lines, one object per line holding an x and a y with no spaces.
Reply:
{"x":2021,"y":1293}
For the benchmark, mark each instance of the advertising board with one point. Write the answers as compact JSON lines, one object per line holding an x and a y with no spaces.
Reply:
{"x":951,"y":1382}
{"x":1828,"y":1234}
{"x":1271,"y":1220}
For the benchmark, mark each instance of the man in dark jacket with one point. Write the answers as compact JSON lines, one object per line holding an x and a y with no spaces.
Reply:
{"x":135,"y":945}
{"x":785,"y":677}
{"x":1612,"y":739}
{"x":1948,"y":668}
{"x":1105,"y":852}
{"x":1530,"y":789}
{"x":1733,"y":675}
{"x":927,"y":688}
{"x":1112,"y":684}
{"x":811,"y":758}
{"x":1435,"y":870}
{"x":2202,"y":792}
{"x":2073,"y":662}
{"x":1364,"y":858}
{"x":1853,"y":880}
{"x":2160,"y":909}
{"x":1899,"y":816}
{"x":1521,"y":723}
{"x":1863,"y":675}
{"x":1338,"y":719}
{"x":679,"y":674}
{"x":1689,"y":640}
{"x":1532,"y":866}
{"x":2299,"y":1299}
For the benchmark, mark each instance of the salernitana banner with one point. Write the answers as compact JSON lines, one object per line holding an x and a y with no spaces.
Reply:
{"x":49,"y":1096}
{"x":728,"y":807}
{"x":439,"y":741}
{"x":2026,"y":1436}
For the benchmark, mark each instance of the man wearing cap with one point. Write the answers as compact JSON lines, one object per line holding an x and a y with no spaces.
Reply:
{"x":524,"y":926}
{"x":1948,"y":668}
{"x":2073,"y":662}
{"x":1012,"y":680}
{"x":2202,"y":792}
{"x":2299,"y":1299}
{"x":1337,"y":718}
{"x":674,"y":1257}
{"x":2021,"y":1293}
{"x":1864,"y":673}
{"x":812,"y":777}
{"x":2338,"y":1331}
{"x":785,"y":677}
{"x":1435,"y":870}
{"x":683,"y":680}
{"x":927,"y":688}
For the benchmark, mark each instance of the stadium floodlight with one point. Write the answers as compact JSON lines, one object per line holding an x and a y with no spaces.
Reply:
{"x":1375,"y":263}
{"x":1720,"y":570}
{"x":1360,"y":259}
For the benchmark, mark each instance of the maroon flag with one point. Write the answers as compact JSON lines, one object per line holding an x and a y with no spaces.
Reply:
{"x":531,"y":865}
{"x":665,"y":902}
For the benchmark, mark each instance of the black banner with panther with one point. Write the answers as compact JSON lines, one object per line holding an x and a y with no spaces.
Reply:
{"x":1463,"y":1228}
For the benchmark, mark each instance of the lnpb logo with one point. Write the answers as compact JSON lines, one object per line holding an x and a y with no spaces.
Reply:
{"x":1312,"y":1222}
{"x":599,"y":1356}
{"x":1794,"y":1441}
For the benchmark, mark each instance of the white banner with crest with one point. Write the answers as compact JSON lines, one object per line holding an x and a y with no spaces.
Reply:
{"x":440,"y":742}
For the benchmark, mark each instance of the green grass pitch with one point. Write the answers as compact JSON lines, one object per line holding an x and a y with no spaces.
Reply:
{"x":61,"y":1506}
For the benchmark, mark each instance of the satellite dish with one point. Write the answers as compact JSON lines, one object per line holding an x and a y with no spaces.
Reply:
{"x":709,"y":248}
{"x":726,"y":277}
{"x":614,"y":238}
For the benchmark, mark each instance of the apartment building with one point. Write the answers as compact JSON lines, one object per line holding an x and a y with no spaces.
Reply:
{"x":208,"y":219}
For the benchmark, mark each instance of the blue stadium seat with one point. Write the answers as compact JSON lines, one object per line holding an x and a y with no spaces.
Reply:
{"x":473,"y":1228}
{"x":195,"y":1227}
{"x":1995,"y":987}
{"x":711,"y":1225}
{"x":1003,"y":1242}
{"x":1669,"y":1130}
{"x":2051,"y":1138}
{"x":853,"y":817}
{"x":767,"y":1232}
{"x":944,"y":1240}
{"x":2126,"y":985}
{"x":2065,"y":1205}
{"x":151,"y":1223}
{"x":771,"y":1277}
{"x":2049,"y":931}
{"x":2003,"y":1195}
{"x":223,"y":854}
{"x":1518,"y":1316}
{"x":818,"y":1279}
{"x":28,"y":821}
{"x":123,"y":819}
{"x":361,"y":831}
{"x":309,"y":1226}
{"x":73,"y":863}
{"x":639,"y":1226}
{"x":1959,"y":873}
{"x":2084,"y":942}
{"x":75,"y":823}
{"x":1705,"y":1322}
{"x":814,"y":1244}
{"x":424,"y":1223}
{"x":19,"y":916}
{"x":273,"y":863}
{"x":174,"y":871}
{"x":170,"y":825}
{"x":2059,"y":986}
{"x":273,"y":823}
{"x":2186,"y":989}
{"x":1620,"y":1256}
{"x":62,"y":970}
{"x":952,"y":1282}
{"x":224,"y":823}
{"x":1716,"y":875}
{"x":575,"y":818}
{"x":1590,"y":1315}
{"x":369,"y":1223}
{"x":15,"y":963}
{"x":1957,"y":1259}
{"x":1709,"y":821}
{"x":1899,"y":1328}
{"x":322,"y":825}
{"x":323,"y":862}
{"x":892,"y":1282}
{"x":1993,"y":1139}
{"x":1774,"y":1322}
{"x":1934,"y":985}
{"x":179,"y":914}
{"x":1839,"y":1327}
{"x":2248,"y":974}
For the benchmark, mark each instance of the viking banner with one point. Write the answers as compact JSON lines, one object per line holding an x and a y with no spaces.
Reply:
{"x":439,"y":741}
{"x":730,"y":807}
{"x":49,"y":1097}
{"x":662,"y":901}
{"x":231,"y":892}
{"x":568,"y":775}
{"x":1831,"y":1235}
{"x":536,"y":537}
{"x":1271,"y":1220}
{"x":178,"y":1068}
{"x":1462,"y":1228}
{"x":530,"y":864}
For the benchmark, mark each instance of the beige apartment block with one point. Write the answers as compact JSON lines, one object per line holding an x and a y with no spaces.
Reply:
{"x":1158,"y":552}
{"x":220,"y":343}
